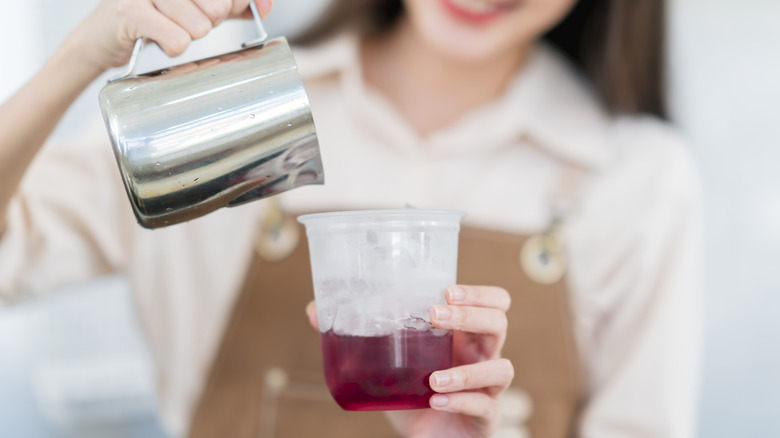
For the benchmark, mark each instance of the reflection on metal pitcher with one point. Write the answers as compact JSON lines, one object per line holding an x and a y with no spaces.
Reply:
{"x":218,"y":132}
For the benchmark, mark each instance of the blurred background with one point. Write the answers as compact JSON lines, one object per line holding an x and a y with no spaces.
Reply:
{"x":73,"y":364}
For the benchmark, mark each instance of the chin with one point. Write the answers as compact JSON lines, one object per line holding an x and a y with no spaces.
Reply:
{"x":459,"y":48}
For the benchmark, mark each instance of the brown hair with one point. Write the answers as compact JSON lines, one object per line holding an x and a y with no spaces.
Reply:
{"x":618,"y":44}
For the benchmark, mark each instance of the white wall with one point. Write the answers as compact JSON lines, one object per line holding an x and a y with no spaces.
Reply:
{"x":726,"y":89}
{"x":18,"y":25}
{"x":726,"y":72}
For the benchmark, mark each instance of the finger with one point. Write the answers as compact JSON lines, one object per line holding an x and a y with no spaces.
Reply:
{"x":187,"y":15}
{"x":215,"y":10}
{"x":491,"y":375}
{"x":239,"y":7}
{"x":169,"y":36}
{"x":264,"y":7}
{"x":478,"y":320}
{"x":311,"y":313}
{"x":479,"y":296}
{"x":475,"y":404}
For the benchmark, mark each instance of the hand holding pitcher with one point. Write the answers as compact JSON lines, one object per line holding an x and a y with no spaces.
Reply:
{"x":108,"y":34}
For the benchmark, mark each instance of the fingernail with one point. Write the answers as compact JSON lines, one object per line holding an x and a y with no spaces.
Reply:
{"x":442,"y":379}
{"x":440,"y":400}
{"x":456,"y":294}
{"x":264,"y":8}
{"x":442,"y":313}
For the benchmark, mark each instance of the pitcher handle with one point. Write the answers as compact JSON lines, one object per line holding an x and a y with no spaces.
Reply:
{"x":262,"y":35}
{"x":140,"y":42}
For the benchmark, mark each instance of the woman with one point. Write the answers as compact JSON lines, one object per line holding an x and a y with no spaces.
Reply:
{"x":581,"y":204}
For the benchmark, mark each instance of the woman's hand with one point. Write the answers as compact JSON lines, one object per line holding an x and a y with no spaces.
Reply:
{"x":466,"y":405}
{"x":467,"y":401}
{"x":106,"y":37}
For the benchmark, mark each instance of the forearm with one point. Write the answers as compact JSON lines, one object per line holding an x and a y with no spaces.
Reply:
{"x":31,"y":114}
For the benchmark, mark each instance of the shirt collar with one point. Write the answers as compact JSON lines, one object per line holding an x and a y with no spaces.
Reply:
{"x":548,"y":104}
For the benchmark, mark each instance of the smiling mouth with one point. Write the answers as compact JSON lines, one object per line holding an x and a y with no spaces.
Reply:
{"x":478,"y":11}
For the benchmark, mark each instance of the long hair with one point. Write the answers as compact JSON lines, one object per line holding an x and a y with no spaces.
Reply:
{"x":618,"y":44}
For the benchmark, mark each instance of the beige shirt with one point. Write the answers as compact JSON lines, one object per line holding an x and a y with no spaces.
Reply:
{"x":631,"y":236}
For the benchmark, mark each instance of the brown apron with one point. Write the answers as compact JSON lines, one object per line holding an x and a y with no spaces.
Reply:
{"x":267,"y":380}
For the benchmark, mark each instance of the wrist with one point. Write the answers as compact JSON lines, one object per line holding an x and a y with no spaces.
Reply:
{"x":59,"y":82}
{"x":77,"y":56}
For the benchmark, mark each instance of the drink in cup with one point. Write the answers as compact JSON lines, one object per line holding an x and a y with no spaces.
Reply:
{"x":376,"y":273}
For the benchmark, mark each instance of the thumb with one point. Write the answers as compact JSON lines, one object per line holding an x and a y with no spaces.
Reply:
{"x":264,"y":7}
{"x":311,"y":313}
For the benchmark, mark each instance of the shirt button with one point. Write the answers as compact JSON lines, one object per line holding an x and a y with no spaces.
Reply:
{"x":277,"y":240}
{"x":542,"y":258}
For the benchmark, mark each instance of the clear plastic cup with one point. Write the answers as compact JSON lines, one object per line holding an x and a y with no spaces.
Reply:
{"x":376,"y":273}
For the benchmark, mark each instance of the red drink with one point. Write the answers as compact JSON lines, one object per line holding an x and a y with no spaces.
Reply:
{"x":384,"y":373}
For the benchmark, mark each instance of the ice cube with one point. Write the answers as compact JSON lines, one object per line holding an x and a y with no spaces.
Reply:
{"x":440,"y":332}
{"x":359,"y":286}
{"x":347,"y":320}
{"x":402,"y":260}
{"x":326,"y":314}
{"x":415,"y":323}
{"x":372,"y":259}
{"x":368,"y":316}
{"x":333,"y":286}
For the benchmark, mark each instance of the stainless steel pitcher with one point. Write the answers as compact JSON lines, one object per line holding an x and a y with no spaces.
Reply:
{"x":218,"y":132}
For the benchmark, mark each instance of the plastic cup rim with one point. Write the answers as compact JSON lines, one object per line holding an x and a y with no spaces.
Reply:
{"x":411,"y":213}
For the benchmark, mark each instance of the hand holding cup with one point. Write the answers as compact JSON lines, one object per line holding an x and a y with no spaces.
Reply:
{"x":466,"y":400}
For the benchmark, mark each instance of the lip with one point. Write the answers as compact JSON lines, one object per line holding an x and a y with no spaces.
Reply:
{"x":472,"y":16}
